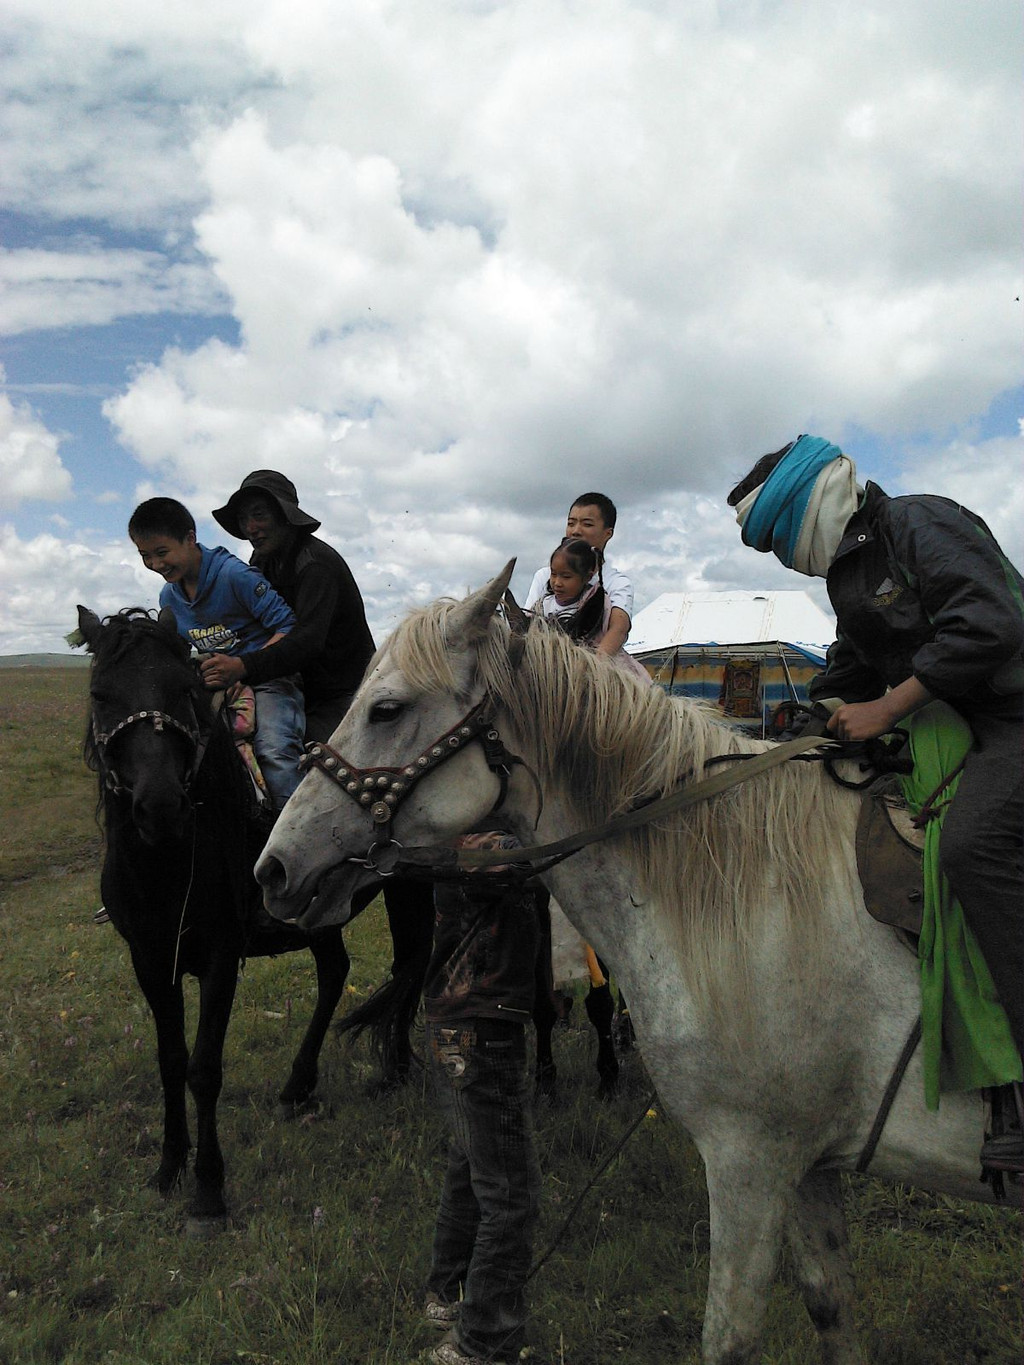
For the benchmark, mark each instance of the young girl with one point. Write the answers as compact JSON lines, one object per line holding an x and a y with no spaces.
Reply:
{"x":578,"y":604}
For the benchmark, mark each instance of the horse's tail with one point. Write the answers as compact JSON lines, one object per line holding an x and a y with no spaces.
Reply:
{"x":388,"y":1016}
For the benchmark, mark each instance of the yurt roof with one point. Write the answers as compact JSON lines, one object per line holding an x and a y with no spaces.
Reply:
{"x":733,"y":617}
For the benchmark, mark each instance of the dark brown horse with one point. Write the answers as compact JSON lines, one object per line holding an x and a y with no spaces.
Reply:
{"x":181,"y":842}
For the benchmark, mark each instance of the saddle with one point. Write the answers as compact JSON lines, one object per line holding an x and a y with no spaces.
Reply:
{"x":890,"y":852}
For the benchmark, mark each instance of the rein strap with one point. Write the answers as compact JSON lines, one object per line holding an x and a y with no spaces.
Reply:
{"x":746,"y":767}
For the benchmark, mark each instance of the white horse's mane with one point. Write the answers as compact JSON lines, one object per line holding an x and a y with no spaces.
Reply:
{"x":761,"y":861}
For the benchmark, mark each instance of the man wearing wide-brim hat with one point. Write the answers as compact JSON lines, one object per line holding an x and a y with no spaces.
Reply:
{"x":329,"y":647}
{"x":330,"y":643}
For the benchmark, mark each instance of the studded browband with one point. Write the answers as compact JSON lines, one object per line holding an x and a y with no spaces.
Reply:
{"x":381,"y":790}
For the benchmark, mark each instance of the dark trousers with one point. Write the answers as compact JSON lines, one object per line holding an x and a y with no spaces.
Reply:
{"x":489,"y":1203}
{"x":982,"y":855}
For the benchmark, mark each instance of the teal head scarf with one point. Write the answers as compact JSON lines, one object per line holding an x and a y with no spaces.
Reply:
{"x":776,"y":517}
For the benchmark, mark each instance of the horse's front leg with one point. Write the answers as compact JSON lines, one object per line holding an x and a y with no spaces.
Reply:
{"x":208,"y":1212}
{"x":749,"y":1198}
{"x":545,"y":1076}
{"x":545,"y":1011}
{"x":167,"y":1006}
{"x":410,"y":910}
{"x":332,"y":964}
{"x":820,"y":1248}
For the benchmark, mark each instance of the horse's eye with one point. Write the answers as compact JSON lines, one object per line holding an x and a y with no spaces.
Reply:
{"x":384,"y":711}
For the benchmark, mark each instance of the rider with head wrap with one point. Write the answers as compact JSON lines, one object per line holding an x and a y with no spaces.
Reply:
{"x":927,"y":606}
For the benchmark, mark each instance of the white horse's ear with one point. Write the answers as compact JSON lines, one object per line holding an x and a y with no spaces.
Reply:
{"x":467,"y":623}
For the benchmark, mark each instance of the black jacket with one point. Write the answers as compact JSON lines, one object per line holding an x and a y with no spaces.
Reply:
{"x":921,"y":588}
{"x":330,"y":643}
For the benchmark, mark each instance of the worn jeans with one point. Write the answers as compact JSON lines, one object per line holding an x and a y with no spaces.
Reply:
{"x":280,"y":725}
{"x":489,"y":1204}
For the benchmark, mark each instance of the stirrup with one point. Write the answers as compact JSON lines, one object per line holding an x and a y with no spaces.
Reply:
{"x":1002,"y":1152}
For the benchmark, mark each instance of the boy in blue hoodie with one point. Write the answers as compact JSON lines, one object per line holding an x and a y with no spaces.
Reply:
{"x":223,"y":606}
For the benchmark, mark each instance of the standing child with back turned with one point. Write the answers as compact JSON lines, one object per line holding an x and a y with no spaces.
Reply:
{"x":478,"y":997}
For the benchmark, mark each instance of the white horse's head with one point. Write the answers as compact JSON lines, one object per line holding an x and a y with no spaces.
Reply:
{"x":322,"y":847}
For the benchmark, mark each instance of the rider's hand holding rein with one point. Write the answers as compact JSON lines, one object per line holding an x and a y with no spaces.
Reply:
{"x":227,"y":671}
{"x":858,"y":721}
{"x":221,"y":671}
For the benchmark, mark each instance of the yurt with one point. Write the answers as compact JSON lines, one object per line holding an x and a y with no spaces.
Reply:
{"x":746,"y":652}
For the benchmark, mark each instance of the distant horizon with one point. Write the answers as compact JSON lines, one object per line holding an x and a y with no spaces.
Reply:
{"x":44,"y":660}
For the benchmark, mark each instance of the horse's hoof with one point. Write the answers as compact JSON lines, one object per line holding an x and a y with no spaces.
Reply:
{"x":289,"y":1110}
{"x":165,"y":1181}
{"x":204,"y":1227}
{"x":387,"y":1085}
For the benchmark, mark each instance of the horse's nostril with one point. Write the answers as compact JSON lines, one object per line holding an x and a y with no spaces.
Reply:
{"x":271,"y":875}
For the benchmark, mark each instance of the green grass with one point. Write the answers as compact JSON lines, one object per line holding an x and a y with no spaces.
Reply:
{"x":331,"y":1217}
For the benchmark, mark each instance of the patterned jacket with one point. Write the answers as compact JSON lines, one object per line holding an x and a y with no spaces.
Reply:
{"x":486,"y":939}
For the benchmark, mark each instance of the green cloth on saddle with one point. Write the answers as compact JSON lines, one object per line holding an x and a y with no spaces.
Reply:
{"x":966,"y":1040}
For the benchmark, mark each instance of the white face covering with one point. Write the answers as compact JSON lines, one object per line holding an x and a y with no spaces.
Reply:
{"x":834,"y":499}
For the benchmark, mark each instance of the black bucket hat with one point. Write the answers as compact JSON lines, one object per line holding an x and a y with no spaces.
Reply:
{"x":276,"y":486}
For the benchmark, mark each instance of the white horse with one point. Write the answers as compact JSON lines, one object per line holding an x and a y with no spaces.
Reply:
{"x":770,"y":1008}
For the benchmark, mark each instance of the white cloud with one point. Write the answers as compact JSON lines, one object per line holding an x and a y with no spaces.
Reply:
{"x":482,"y":256}
{"x":45,"y":577}
{"x":100,"y":101}
{"x":984,"y":476}
{"x":672,"y":235}
{"x":30,"y":463}
{"x":44,"y":289}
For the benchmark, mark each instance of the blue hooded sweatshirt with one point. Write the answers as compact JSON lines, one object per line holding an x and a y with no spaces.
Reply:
{"x":235,"y":609}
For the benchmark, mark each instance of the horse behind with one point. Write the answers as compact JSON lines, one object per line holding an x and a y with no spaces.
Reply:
{"x":177,"y":879}
{"x":770,"y":1009}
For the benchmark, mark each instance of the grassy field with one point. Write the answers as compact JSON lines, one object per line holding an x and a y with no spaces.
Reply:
{"x":331,"y":1216}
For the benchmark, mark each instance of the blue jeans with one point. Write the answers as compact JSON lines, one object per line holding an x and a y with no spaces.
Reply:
{"x":280,"y":727}
{"x":490,"y":1200}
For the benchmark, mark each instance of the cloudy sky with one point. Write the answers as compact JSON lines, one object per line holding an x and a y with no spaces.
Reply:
{"x":449,"y":262}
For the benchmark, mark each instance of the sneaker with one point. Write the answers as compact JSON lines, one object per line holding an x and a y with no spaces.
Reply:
{"x":101,"y":916}
{"x":440,"y":1314}
{"x":1004,"y":1153}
